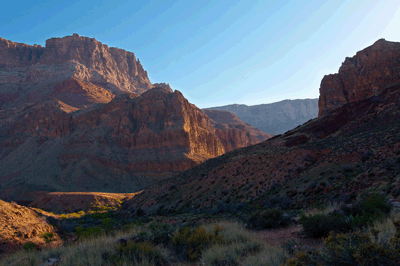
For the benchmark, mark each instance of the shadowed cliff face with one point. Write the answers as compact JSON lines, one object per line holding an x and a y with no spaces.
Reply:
{"x":30,"y":73}
{"x":362,"y":76}
{"x":122,"y":146}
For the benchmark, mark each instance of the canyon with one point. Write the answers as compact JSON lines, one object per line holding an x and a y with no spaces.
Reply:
{"x":351,"y":148}
{"x":77,"y":115}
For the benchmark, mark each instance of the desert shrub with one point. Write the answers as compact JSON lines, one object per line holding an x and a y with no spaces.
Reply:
{"x":320,"y":225}
{"x":291,"y":246}
{"x":139,"y":251}
{"x":29,"y":247}
{"x":161,"y":234}
{"x":272,"y":218}
{"x":367,"y":209}
{"x":355,"y":248}
{"x":269,"y":256}
{"x":304,"y":259}
{"x":89,"y":232}
{"x":48,"y":237}
{"x":190,"y":243}
{"x":230,"y":254}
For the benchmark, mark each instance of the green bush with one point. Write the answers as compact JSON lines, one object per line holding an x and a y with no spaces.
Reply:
{"x":48,"y":237}
{"x":320,"y":225}
{"x":190,"y":243}
{"x":29,"y":247}
{"x":89,"y":232}
{"x":271,"y":218}
{"x":161,"y":234}
{"x":363,"y":213}
{"x":355,"y":248}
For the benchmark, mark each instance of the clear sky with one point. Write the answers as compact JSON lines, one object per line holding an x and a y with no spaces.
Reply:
{"x":218,"y":52}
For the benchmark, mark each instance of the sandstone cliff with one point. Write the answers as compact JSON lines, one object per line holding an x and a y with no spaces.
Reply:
{"x":122,"y":146}
{"x":364,"y":75}
{"x":30,"y":73}
{"x":275,"y":118}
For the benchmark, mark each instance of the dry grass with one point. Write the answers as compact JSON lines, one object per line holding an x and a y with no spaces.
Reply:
{"x":241,"y":247}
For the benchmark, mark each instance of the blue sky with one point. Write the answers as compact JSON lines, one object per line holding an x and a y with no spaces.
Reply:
{"x":218,"y":52}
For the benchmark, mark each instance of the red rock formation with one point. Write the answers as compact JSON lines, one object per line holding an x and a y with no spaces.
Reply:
{"x":122,"y":146}
{"x":29,"y":73}
{"x":361,"y":76}
{"x":162,"y":85}
{"x":79,"y":93}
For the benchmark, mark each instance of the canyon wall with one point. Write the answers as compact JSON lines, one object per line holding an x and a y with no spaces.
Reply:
{"x":361,"y":76}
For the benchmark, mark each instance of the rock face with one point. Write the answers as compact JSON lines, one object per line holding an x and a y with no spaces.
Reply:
{"x":79,"y":93}
{"x":122,"y":146}
{"x":30,"y":73}
{"x":362,"y":76}
{"x":275,"y":118}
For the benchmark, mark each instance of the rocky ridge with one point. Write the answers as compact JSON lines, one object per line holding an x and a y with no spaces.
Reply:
{"x":274,"y":118}
{"x":121,"y":146}
{"x":363,"y":75}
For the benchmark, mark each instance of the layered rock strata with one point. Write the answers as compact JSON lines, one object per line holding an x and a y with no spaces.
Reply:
{"x":30,"y":73}
{"x":122,"y":146}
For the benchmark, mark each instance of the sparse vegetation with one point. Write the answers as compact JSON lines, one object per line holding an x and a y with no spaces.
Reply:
{"x":224,"y":243}
{"x":48,"y":237}
{"x":354,"y":248}
{"x":271,"y":218}
{"x":367,"y":209}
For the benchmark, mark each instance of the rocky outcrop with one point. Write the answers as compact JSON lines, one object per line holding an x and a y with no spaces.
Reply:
{"x":20,"y":225}
{"x":163,"y":86}
{"x":275,"y":118}
{"x":122,"y":146}
{"x":29,"y":73}
{"x":234,"y":133}
{"x":362,"y":76}
{"x":79,"y":93}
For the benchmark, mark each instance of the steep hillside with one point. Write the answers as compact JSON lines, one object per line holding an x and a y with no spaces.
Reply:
{"x":122,"y":146}
{"x":275,"y":118}
{"x":21,"y":225}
